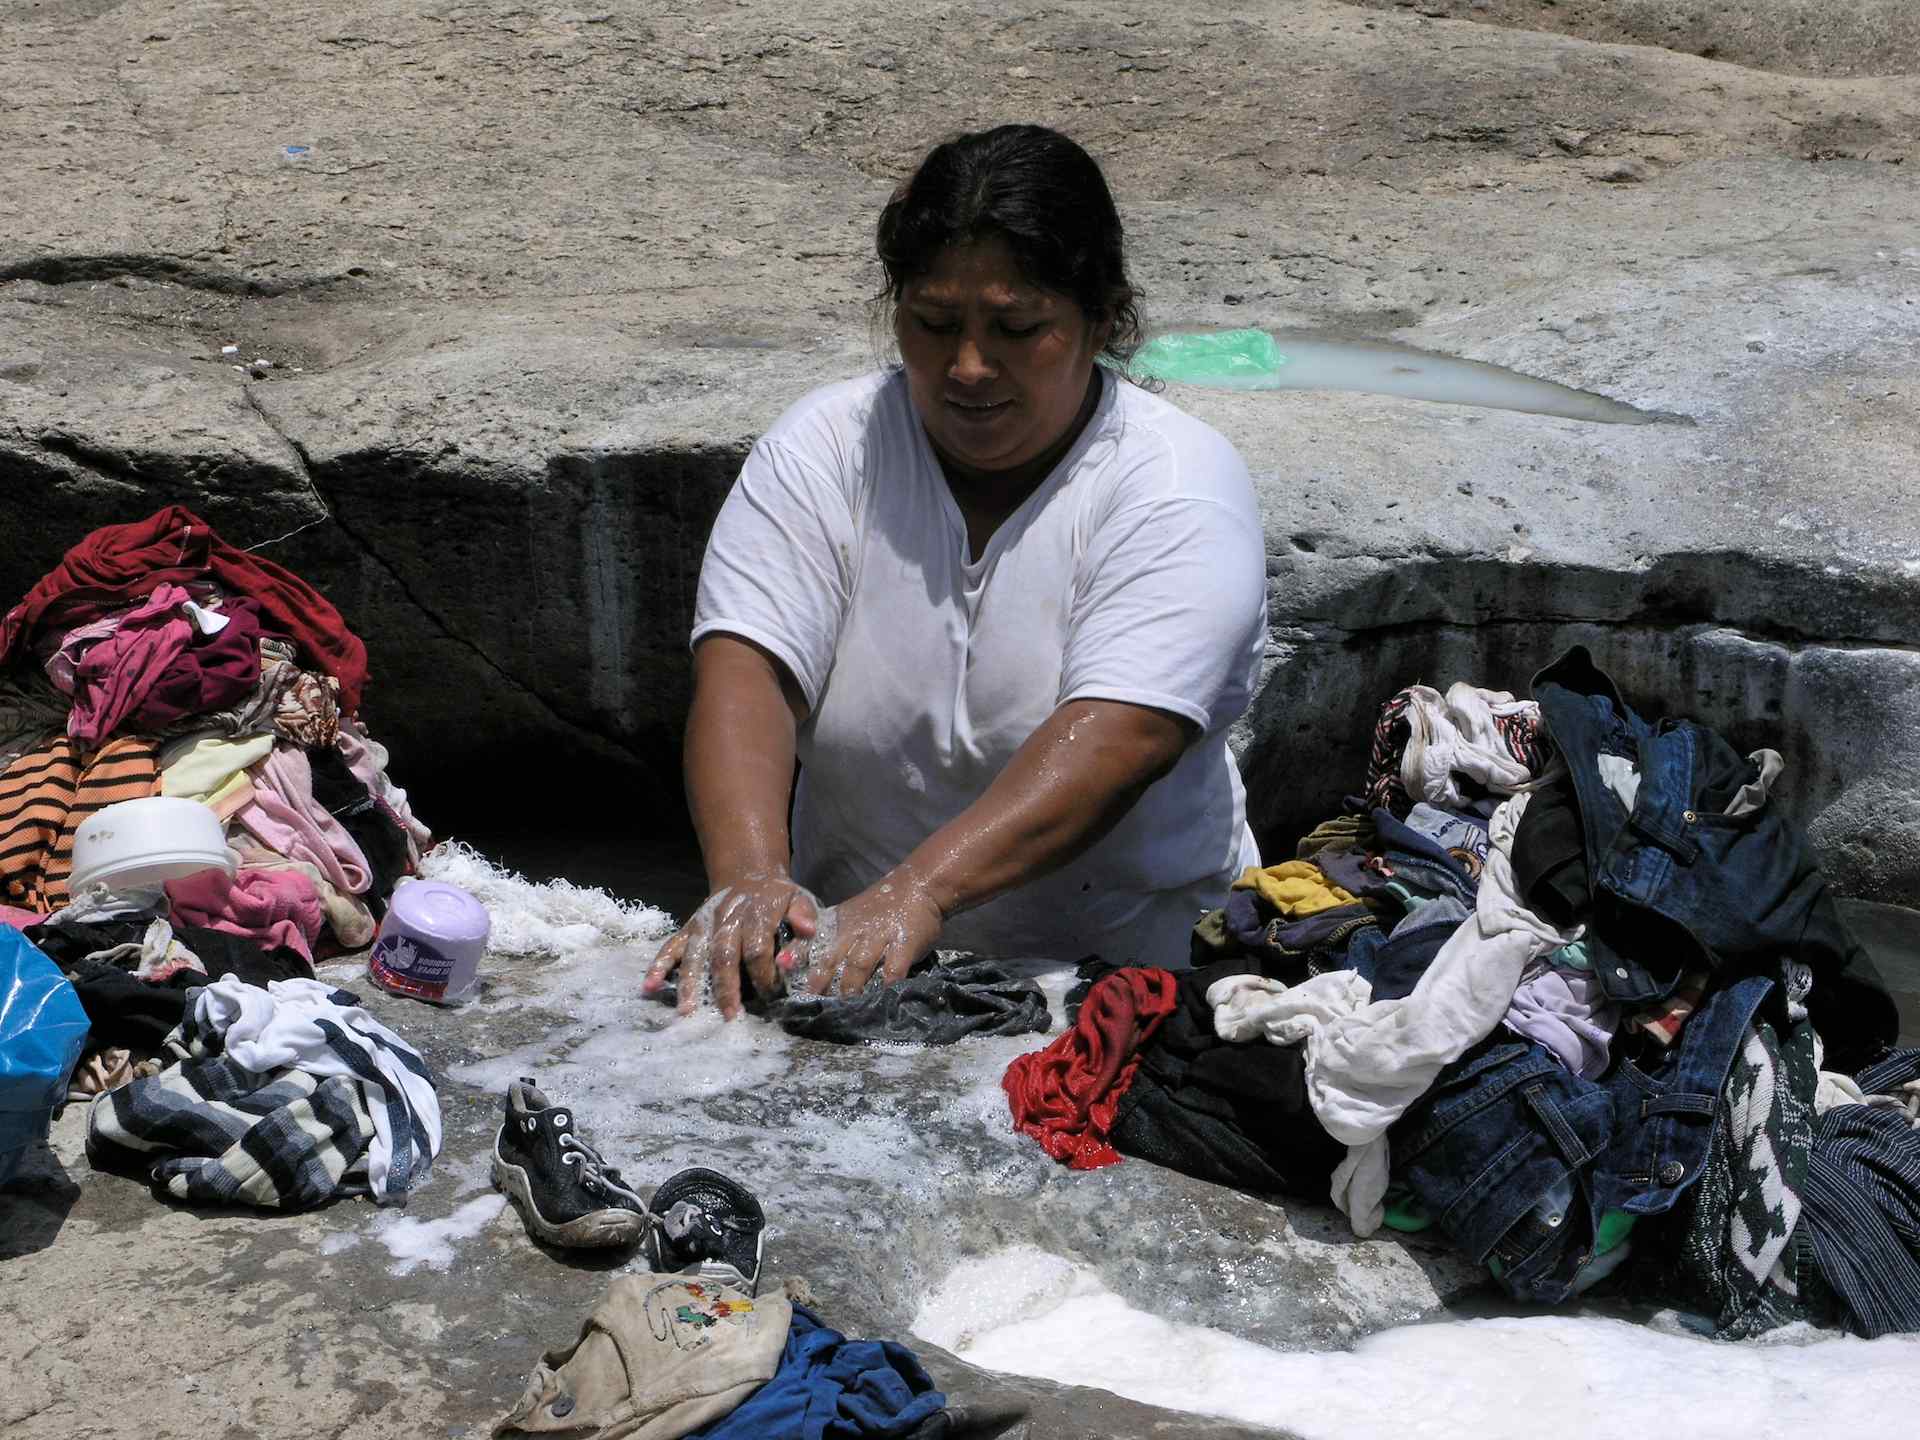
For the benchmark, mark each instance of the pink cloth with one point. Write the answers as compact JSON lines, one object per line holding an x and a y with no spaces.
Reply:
{"x":108,"y":666}
{"x":274,"y":907}
{"x":284,"y":816}
{"x":18,"y":918}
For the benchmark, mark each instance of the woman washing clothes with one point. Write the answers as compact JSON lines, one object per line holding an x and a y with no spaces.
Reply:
{"x":999,"y":603}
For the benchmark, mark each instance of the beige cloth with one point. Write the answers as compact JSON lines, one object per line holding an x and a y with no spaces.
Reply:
{"x":204,"y":767}
{"x":108,"y":1069}
{"x":660,"y":1357}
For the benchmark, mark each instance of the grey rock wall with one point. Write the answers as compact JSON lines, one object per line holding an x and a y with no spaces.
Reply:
{"x":532,"y":283}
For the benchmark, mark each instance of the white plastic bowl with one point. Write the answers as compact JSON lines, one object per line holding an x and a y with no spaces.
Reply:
{"x":139,"y":844}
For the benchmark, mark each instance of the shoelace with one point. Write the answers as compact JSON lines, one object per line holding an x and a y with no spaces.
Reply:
{"x":693,"y":1231}
{"x":595,"y":1173}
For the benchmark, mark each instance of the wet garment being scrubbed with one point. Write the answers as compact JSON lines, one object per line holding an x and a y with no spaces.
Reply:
{"x":940,"y":1001}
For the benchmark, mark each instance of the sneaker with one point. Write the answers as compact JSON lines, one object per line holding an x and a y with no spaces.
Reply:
{"x":704,"y":1223}
{"x":565,"y":1192}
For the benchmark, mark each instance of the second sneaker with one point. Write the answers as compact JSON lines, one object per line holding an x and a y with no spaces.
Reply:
{"x":705,"y":1224}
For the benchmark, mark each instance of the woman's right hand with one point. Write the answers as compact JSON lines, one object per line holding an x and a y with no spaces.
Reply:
{"x":733,"y":930}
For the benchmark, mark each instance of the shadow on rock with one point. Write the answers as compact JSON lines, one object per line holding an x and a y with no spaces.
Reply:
{"x":35,"y":1204}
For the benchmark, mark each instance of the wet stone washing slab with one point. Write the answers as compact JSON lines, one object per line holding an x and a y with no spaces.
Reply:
{"x":893,"y":1185}
{"x":882,"y":1171}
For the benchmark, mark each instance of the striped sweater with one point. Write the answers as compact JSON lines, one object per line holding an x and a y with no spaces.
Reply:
{"x":46,"y":796}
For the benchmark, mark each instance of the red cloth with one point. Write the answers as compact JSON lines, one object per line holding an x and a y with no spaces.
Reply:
{"x":118,"y":563}
{"x":1065,"y":1095}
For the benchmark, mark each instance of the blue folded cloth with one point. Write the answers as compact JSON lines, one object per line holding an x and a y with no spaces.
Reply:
{"x":831,"y":1388}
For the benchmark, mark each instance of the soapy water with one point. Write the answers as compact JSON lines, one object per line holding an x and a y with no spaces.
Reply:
{"x":551,"y":918}
{"x":1257,"y":360}
{"x":656,"y":1092}
{"x":1025,"y":1312}
{"x":418,"y":1244}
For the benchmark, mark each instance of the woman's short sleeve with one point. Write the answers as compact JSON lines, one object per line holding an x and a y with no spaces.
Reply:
{"x":776,"y":570}
{"x":1170,"y":609}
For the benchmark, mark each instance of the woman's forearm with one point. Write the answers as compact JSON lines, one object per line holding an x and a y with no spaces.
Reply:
{"x":1067,"y":786}
{"x":739,"y":759}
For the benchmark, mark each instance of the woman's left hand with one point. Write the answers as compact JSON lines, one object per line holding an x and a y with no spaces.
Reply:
{"x":886,"y":927}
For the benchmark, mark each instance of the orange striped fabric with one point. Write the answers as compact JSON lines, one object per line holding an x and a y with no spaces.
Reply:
{"x":35,"y":795}
{"x":44,"y":798}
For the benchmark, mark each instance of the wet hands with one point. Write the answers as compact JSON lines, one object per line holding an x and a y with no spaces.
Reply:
{"x":733,"y":930}
{"x":885,"y":928}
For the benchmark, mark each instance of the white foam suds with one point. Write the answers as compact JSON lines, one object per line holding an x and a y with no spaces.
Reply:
{"x":554,"y":918}
{"x":416,"y":1243}
{"x":1025,"y":1312}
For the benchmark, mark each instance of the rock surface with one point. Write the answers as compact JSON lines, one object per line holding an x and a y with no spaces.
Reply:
{"x":531,"y":281}
{"x":881,"y":1170}
{"x":1866,"y":37}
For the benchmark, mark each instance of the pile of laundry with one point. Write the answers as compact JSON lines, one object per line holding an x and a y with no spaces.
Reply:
{"x":158,"y":660}
{"x":1560,"y":982}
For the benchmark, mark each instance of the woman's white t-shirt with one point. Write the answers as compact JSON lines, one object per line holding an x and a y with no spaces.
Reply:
{"x":1135,"y":572}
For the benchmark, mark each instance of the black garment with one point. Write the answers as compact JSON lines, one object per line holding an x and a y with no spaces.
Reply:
{"x":1550,"y":857}
{"x":939,"y":1002}
{"x":137,"y":1014}
{"x":970,"y":1419}
{"x":336,"y":787}
{"x":1232,"y":1114}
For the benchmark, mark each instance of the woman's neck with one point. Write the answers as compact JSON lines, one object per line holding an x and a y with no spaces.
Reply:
{"x":1003,"y":491}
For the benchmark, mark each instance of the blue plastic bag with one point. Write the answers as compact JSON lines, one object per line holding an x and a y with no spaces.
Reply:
{"x":42,"y":1028}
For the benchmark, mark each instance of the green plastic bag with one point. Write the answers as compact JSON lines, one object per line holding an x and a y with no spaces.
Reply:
{"x":1231,"y":359}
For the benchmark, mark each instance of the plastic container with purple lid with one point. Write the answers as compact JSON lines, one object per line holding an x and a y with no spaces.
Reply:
{"x":430,"y":943}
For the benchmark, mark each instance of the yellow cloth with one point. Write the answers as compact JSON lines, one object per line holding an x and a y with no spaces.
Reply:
{"x":1295,"y":888}
{"x":199,"y":766}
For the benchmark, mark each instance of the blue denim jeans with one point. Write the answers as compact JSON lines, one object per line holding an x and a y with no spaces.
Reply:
{"x":1507,"y":1125}
{"x":1676,"y":885}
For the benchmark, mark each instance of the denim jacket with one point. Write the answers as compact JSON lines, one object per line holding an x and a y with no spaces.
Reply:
{"x":1506,"y":1125}
{"x":1676,"y":884}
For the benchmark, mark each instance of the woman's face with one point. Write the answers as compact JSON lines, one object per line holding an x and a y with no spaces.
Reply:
{"x":998,"y":368}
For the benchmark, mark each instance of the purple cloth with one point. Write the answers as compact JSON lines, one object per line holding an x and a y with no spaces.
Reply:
{"x":211,"y":673}
{"x":289,"y":821}
{"x":1568,"y":1012}
{"x":109,"y":665}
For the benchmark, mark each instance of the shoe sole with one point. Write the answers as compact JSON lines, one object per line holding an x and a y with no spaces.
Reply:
{"x":601,"y":1230}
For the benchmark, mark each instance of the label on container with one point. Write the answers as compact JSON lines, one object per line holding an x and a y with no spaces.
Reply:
{"x":409,"y":966}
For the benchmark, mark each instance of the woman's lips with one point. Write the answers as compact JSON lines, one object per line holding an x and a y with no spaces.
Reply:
{"x":974,"y":411}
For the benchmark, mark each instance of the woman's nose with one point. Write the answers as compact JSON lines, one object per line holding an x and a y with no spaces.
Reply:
{"x":970,"y":364}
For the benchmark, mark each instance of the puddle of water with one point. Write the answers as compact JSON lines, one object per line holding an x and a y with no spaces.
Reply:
{"x":1286,"y":361}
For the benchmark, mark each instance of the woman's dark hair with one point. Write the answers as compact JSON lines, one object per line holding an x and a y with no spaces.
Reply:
{"x":1038,"y":191}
